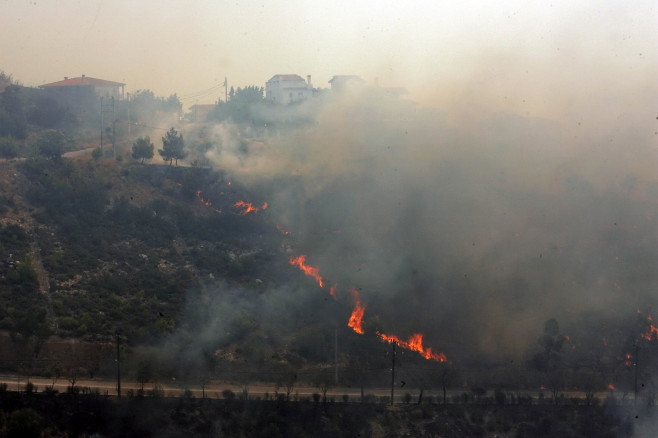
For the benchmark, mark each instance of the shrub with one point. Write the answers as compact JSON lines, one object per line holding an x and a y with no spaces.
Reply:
{"x":30,"y":388}
{"x":24,"y":423}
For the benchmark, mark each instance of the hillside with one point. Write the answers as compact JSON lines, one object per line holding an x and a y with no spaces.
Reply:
{"x":91,"y":248}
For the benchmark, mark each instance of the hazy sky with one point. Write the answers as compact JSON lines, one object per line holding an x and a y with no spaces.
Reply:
{"x":521,"y":51}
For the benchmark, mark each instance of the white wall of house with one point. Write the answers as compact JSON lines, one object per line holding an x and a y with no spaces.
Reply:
{"x":285,"y":89}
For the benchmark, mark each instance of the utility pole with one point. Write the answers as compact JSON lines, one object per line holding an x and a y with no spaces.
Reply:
{"x":336,"y":354}
{"x":225,"y":89}
{"x":118,"y":365}
{"x":101,"y":146}
{"x":114,"y":138}
{"x":635,"y":365}
{"x":106,"y":108}
{"x":128,"y":105}
{"x":393,"y":374}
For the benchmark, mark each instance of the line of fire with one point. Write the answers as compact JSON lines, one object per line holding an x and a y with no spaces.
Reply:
{"x":355,"y":322}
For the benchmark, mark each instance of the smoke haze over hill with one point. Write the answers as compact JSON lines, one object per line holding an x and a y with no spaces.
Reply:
{"x":470,"y":224}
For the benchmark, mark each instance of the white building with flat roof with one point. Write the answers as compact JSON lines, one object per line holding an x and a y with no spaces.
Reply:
{"x":286,"y":89}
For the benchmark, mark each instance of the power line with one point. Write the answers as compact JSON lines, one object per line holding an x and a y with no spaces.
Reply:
{"x":214,"y":87}
{"x":203,"y":93}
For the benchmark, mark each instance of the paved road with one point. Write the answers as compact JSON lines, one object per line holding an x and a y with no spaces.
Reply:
{"x":173,"y":389}
{"x":215,"y":388}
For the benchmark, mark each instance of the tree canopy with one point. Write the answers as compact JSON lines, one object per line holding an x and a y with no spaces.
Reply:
{"x":173,"y":147}
{"x":52,"y":144}
{"x":241,"y":106}
{"x":250,"y":94}
{"x":12,"y":112}
{"x":8,"y":147}
{"x":143,"y":149}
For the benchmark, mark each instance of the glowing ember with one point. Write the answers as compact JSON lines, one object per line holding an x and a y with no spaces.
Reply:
{"x":205,"y":202}
{"x":284,"y":232}
{"x":415,"y":343}
{"x":308,"y":270}
{"x":651,"y":333}
{"x":332,"y":292}
{"x":357,"y":313}
{"x":611,"y":386}
{"x":198,"y":195}
{"x":248,"y":207}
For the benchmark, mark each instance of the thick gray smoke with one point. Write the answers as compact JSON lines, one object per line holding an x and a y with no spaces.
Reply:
{"x":469,"y":224}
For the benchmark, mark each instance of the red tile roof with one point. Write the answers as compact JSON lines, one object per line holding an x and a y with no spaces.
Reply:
{"x":83,"y":81}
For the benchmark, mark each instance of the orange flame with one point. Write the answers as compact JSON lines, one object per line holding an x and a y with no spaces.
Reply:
{"x":308,"y":270}
{"x":611,"y":386}
{"x":332,"y":292}
{"x":248,"y":207}
{"x":415,"y":343}
{"x":357,"y":313}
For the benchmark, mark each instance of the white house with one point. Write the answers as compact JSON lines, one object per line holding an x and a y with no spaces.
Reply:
{"x":340,"y":83}
{"x":285,"y":89}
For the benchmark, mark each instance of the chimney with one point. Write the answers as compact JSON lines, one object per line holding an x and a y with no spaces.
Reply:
{"x":66,"y":77}
{"x":308,"y":80}
{"x":83,"y":76}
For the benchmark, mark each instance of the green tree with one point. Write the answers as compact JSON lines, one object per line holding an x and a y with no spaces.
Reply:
{"x":52,"y":144}
{"x":8,"y":147}
{"x":551,"y":342}
{"x":143,"y":149}
{"x":172,"y":104}
{"x":97,"y":154}
{"x":47,"y":110}
{"x":242,"y":106}
{"x":250,"y":94}
{"x":24,"y":423}
{"x":549,"y":359}
{"x":145,"y":106}
{"x":173,"y":147}
{"x":12,"y":112}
